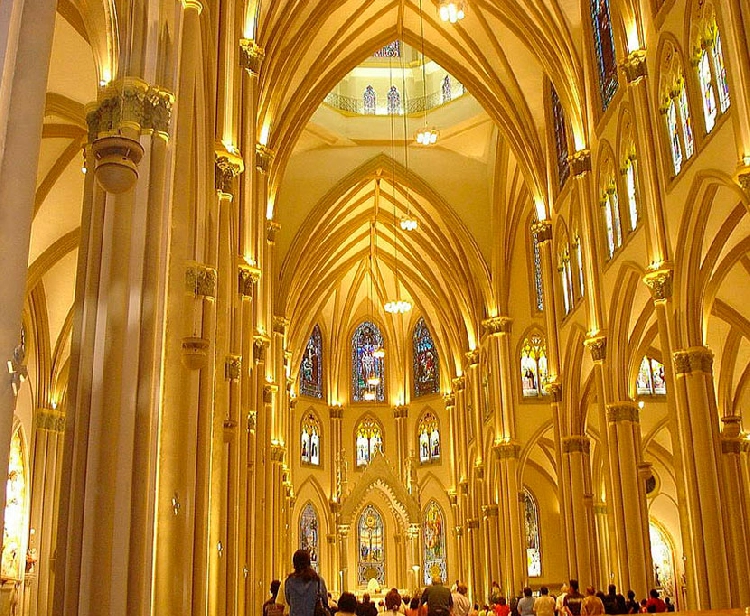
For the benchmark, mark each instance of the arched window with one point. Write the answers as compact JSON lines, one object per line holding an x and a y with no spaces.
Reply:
{"x":566,"y":278}
{"x":604,"y":45}
{"x":446,"y":89}
{"x":426,"y":365}
{"x":630,"y":185}
{"x":311,"y":366}
{"x":433,"y":534}
{"x":675,"y":108}
{"x":369,"y":441}
{"x":371,"y":553}
{"x":534,"y":366}
{"x":367,"y":369}
{"x":392,"y":50}
{"x":708,"y":58}
{"x":308,"y":533}
{"x":16,"y":494}
{"x":537,"y":262}
{"x":429,"y":439}
{"x":561,"y":138}
{"x":650,"y":380}
{"x":662,"y":556}
{"x":611,"y":212}
{"x":310,"y":440}
{"x":369,"y":100}
{"x":531,"y":523}
{"x":578,"y":251}
{"x":394,"y":101}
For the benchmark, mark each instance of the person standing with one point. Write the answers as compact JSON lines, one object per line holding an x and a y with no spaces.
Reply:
{"x":438,"y":598}
{"x":573,"y":600}
{"x":592,"y":605}
{"x":302,"y":587}
{"x":544,"y":605}
{"x":461,"y":603}
{"x":525,"y":605}
{"x":270,"y":607}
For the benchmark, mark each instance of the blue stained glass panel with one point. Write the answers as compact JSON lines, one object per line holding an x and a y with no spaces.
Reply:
{"x":604,"y":45}
{"x":311,"y":366}
{"x":425,"y":361}
{"x":561,"y":138}
{"x":308,"y":533}
{"x":365,"y":365}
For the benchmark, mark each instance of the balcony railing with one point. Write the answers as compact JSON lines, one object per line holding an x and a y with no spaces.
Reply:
{"x":419,"y":104}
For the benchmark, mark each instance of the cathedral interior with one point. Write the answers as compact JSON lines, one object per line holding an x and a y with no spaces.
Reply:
{"x":425,"y":287}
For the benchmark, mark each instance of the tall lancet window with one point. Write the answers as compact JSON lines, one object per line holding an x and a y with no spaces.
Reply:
{"x":433,"y":535}
{"x":369,"y":441}
{"x":651,"y":380}
{"x":311,"y":366}
{"x":531,"y":523}
{"x":534,"y":366}
{"x":708,"y":58}
{"x":611,"y":212}
{"x":566,"y":279}
{"x":369,"y":100}
{"x":446,"y":89}
{"x":16,"y":494}
{"x":429,"y":439}
{"x":561,"y":138}
{"x":426,"y":367}
{"x":630,"y":185}
{"x":371,"y":541}
{"x":310,"y":440}
{"x":604,"y":45}
{"x":537,"y":262}
{"x":394,"y":101}
{"x":367,"y":370}
{"x":308,"y":533}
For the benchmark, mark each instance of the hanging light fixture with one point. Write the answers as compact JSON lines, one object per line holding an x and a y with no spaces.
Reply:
{"x":379,"y":351}
{"x":452,"y":10}
{"x":426,"y":135}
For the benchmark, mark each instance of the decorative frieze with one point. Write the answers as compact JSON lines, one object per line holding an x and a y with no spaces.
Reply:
{"x":498,"y":325}
{"x":659,"y":282}
{"x":575,"y":443}
{"x":51,"y":420}
{"x":694,"y":359}
{"x":597,"y":345}
{"x":263,"y":158}
{"x":233,"y":367}
{"x":622,"y":411}
{"x":251,"y":56}
{"x":200,"y":280}
{"x":580,"y":162}
{"x":635,"y":65}
{"x":542,"y":229}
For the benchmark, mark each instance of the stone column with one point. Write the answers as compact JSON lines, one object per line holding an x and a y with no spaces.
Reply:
{"x":697,"y":424}
{"x":491,"y":517}
{"x":543,"y":232}
{"x":576,"y":473}
{"x":343,"y":531}
{"x":400,"y":416}
{"x":513,"y":551}
{"x":414,"y":558}
{"x":337,"y":453}
{"x":474,"y":570}
{"x":450,"y":407}
{"x":459,"y":389}
{"x":498,"y":330}
{"x":474,"y":403}
{"x":735,"y":514}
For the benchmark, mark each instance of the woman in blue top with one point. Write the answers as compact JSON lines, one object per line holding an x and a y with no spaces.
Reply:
{"x":303,"y":586}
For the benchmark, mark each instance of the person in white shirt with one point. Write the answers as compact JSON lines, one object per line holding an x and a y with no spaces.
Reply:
{"x":544,"y":605}
{"x":461,"y":603}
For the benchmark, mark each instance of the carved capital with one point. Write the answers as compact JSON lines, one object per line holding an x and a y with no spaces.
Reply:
{"x":694,"y":359}
{"x":272,"y":228}
{"x":342,"y":530}
{"x":336,"y":412}
{"x":400,"y":412}
{"x":731,"y":427}
{"x":453,"y":497}
{"x":194,"y":352}
{"x":277,"y":452}
{"x":263,"y":158}
{"x":553,"y":389}
{"x":450,"y":400}
{"x":227,"y":166}
{"x":251,"y":56}
{"x":200,"y":280}
{"x":597,"y":345}
{"x":490,"y":511}
{"x":580,"y":162}
{"x":479,"y":470}
{"x":459,"y":383}
{"x":269,"y":389}
{"x":506,"y":450}
{"x":623,"y":411}
{"x":600,"y":508}
{"x":51,"y":420}
{"x":472,"y":524}
{"x":280,"y":324}
{"x":472,"y":357}
{"x":571,"y":444}
{"x":743,"y":179}
{"x":731,"y":445}
{"x":542,"y":229}
{"x":252,"y":420}
{"x":233,"y":367}
{"x":635,"y":65}
{"x":247,"y":278}
{"x":659,"y":282}
{"x":498,"y":325}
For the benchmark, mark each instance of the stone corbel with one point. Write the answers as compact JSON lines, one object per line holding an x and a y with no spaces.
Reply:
{"x":597,"y":346}
{"x":497,"y":325}
{"x":251,"y":56}
{"x":635,"y":66}
{"x":227,"y":166}
{"x":472,"y":357}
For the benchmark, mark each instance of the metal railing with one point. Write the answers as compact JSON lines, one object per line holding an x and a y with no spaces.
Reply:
{"x":419,"y":104}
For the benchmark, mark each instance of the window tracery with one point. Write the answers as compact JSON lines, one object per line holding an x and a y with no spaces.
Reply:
{"x":425,"y":361}
{"x":537,"y":263}
{"x":632,"y":192}
{"x":534,"y":366}
{"x":433,"y":534}
{"x":392,"y":50}
{"x":371,"y":553}
{"x":566,"y":279}
{"x":309,"y":534}
{"x":429,"y":439}
{"x":675,"y":109}
{"x":310,"y":440}
{"x":369,"y":101}
{"x":369,"y":441}
{"x":311,"y":366}
{"x":611,"y":211}
{"x":368,"y":372}
{"x":394,"y":101}
{"x":604,"y":45}
{"x":708,"y":58}
{"x":561,"y":138}
{"x":651,"y":379}
{"x":578,"y":251}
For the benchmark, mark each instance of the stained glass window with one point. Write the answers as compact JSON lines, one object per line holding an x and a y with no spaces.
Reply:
{"x":369,"y":100}
{"x":707,"y":91}
{"x":426,"y":366}
{"x":531,"y":523}
{"x":611,"y":207}
{"x":579,"y":266}
{"x":394,"y":101}
{"x":367,"y":370}
{"x":433,"y":534}
{"x":311,"y":366}
{"x":13,"y":556}
{"x":538,"y":288}
{"x":446,"y":89}
{"x":561,"y":138}
{"x":674,"y":136}
{"x":308,"y":533}
{"x":650,"y":379}
{"x":534,"y":366}
{"x":632,"y":192}
{"x":310,"y":440}
{"x":662,"y":557}
{"x":566,"y":279}
{"x":721,"y":73}
{"x":392,"y":50}
{"x":369,"y":441}
{"x":604,"y":45}
{"x":371,"y":541}
{"x":687,"y":125}
{"x":429,"y":438}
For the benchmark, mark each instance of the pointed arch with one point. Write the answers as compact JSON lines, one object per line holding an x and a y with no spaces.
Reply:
{"x":425,"y":361}
{"x":311,"y":366}
{"x":367,"y":368}
{"x":434,"y":557}
{"x":309,"y":533}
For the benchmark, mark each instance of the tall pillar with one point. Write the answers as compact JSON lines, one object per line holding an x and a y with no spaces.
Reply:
{"x":400,"y":415}
{"x":576,"y":450}
{"x":492,"y":533}
{"x":343,"y":531}
{"x":337,"y":453}
{"x":697,"y":424}
{"x":513,"y":551}
{"x":450,"y":407}
{"x":462,"y":431}
{"x":474,"y":403}
{"x":735,"y":514}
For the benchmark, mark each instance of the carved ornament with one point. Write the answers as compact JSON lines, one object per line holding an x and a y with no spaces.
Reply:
{"x":506,"y":450}
{"x":263,"y":158}
{"x":336,"y":412}
{"x":571,"y":444}
{"x":400,"y":412}
{"x":597,"y":345}
{"x":498,"y":325}
{"x":580,"y":162}
{"x":473,"y":357}
{"x":194,"y":352}
{"x":51,"y":420}
{"x":490,"y":511}
{"x":459,"y":383}
{"x":659,"y":282}
{"x":694,"y":359}
{"x":623,"y":411}
{"x":731,"y":445}
{"x":261,"y":343}
{"x":553,"y":389}
{"x":233,"y":367}
{"x":453,"y":498}
{"x":251,"y":56}
{"x":635,"y":65}
{"x":269,"y":389}
{"x":227,"y":166}
{"x":252,"y":420}
{"x":200,"y":280}
{"x":280,"y":324}
{"x":542,"y":229}
{"x":277,"y":452}
{"x":743,"y":179}
{"x":247,"y":278}
{"x":450,"y":400}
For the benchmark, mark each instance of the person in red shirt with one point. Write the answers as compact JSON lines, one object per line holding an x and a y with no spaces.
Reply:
{"x":501,"y":608}
{"x":654,"y":599}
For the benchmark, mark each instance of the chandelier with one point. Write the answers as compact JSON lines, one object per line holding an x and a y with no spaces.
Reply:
{"x":452,"y":10}
{"x":427,"y":135}
{"x":398,"y":306}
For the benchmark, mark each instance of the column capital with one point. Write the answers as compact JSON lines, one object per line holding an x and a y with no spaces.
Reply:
{"x":336,"y":412}
{"x":731,"y":445}
{"x":252,"y":420}
{"x":200,"y":280}
{"x":600,"y":508}
{"x":498,"y":325}
{"x":574,"y":443}
{"x":400,"y":411}
{"x":194,"y":352}
{"x":505,"y":450}
{"x":272,"y":228}
{"x":459,"y":383}
{"x":472,"y":524}
{"x":193,"y":4}
{"x":233,"y":367}
{"x":247,"y":277}
{"x":580,"y":162}
{"x":452,"y":497}
{"x":659,"y":282}
{"x":635,"y":66}
{"x":450,"y":400}
{"x":554,"y":389}
{"x":251,"y":56}
{"x":277,"y":452}
{"x":743,"y":178}
{"x":269,"y":389}
{"x":694,"y":359}
{"x":542,"y":229}
{"x":263,"y":157}
{"x":342,"y":530}
{"x":472,"y":357}
{"x":625,"y":410}
{"x":51,"y":420}
{"x":490,"y":511}
{"x":732,"y":426}
{"x":227,"y":166}
{"x":261,"y":342}
{"x":280,"y":324}
{"x":597,"y":345}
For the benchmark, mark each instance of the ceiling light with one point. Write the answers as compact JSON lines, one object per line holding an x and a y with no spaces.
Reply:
{"x":398,"y":307}
{"x":452,"y":10}
{"x":427,"y":136}
{"x":408,"y":223}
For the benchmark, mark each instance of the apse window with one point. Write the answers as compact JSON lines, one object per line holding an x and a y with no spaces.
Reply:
{"x":369,"y":441}
{"x":534,"y":366}
{"x":650,"y":380}
{"x":429,"y":439}
{"x":310,"y":440}
{"x":426,"y":365}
